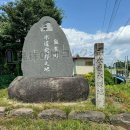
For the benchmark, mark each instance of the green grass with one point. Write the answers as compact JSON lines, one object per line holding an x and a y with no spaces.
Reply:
{"x":117,"y":101}
{"x":20,"y":123}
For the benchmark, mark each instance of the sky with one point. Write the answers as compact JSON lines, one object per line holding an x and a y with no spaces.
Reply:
{"x":85,"y":24}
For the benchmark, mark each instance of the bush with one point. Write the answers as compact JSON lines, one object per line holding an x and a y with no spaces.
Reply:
{"x":91,"y":79}
{"x":107,"y":78}
{"x":5,"y":80}
{"x":8,"y":72}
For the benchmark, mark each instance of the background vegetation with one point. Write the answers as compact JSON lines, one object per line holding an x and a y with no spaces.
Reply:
{"x":17,"y":17}
{"x":107,"y":78}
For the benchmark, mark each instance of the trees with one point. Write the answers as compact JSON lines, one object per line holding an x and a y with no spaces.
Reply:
{"x":17,"y":18}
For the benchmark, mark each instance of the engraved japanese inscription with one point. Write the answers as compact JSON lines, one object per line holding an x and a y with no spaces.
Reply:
{"x":99,"y":75}
{"x":46,"y":51}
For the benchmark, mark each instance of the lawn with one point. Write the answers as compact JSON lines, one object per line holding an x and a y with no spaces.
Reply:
{"x":21,"y":123}
{"x":117,"y":101}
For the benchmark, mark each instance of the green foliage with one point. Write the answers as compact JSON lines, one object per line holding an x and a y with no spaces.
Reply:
{"x":119,"y":64}
{"x":8,"y":73}
{"x":4,"y":27}
{"x":3,"y":93}
{"x":17,"y":17}
{"x":20,"y":123}
{"x":119,"y":93}
{"x":107,"y":78}
{"x":67,"y":110}
{"x":5,"y":80}
{"x":91,"y":79}
{"x":11,"y":69}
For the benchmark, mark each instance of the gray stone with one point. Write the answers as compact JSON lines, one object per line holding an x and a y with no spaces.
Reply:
{"x":120,"y":128}
{"x":99,"y":75}
{"x":22,"y":112}
{"x":31,"y":89}
{"x":3,"y":128}
{"x":88,"y":116}
{"x":52,"y":114}
{"x":2,"y":111}
{"x":121,"y":120}
{"x":46,"y":51}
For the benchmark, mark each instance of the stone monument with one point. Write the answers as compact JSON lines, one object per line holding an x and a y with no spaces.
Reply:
{"x":47,"y":67}
{"x":99,"y":75}
{"x":47,"y":51}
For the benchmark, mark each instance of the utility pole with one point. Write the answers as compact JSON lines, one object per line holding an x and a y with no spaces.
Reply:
{"x":116,"y":66}
{"x":127,"y":68}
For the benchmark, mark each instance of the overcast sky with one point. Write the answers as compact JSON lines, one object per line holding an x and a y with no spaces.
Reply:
{"x":83,"y":25}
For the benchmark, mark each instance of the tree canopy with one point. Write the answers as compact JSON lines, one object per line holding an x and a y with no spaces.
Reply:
{"x":17,"y":17}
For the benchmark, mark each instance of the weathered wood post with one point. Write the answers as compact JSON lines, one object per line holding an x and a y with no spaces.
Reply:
{"x":99,"y":75}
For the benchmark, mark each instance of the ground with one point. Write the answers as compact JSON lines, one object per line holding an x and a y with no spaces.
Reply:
{"x":117,"y":101}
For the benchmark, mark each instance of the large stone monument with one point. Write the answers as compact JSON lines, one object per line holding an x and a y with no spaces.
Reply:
{"x":47,"y":67}
{"x":46,"y":51}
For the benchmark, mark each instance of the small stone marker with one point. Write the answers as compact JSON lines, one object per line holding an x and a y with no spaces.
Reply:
{"x":99,"y":75}
{"x":46,"y":51}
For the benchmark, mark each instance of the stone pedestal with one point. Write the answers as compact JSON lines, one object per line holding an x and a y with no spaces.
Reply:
{"x":32,"y":89}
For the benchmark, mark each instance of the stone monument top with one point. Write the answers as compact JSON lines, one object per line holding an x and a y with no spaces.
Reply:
{"x":46,"y":52}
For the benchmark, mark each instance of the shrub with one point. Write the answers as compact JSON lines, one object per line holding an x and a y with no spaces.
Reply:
{"x":90,"y":77}
{"x":107,"y":78}
{"x":5,"y":80}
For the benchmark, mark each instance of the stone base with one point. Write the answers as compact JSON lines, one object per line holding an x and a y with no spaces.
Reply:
{"x":31,"y":89}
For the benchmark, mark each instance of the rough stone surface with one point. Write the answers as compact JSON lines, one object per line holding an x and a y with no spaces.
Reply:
{"x":120,"y":128}
{"x":112,"y":127}
{"x":88,"y":116}
{"x":52,"y":114}
{"x":2,"y":111}
{"x":121,"y":120}
{"x":30,"y":89}
{"x":99,"y":75}
{"x":3,"y":128}
{"x":22,"y":112}
{"x":46,"y":52}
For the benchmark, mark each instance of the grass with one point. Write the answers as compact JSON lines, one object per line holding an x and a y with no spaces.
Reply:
{"x":117,"y":101}
{"x":20,"y":123}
